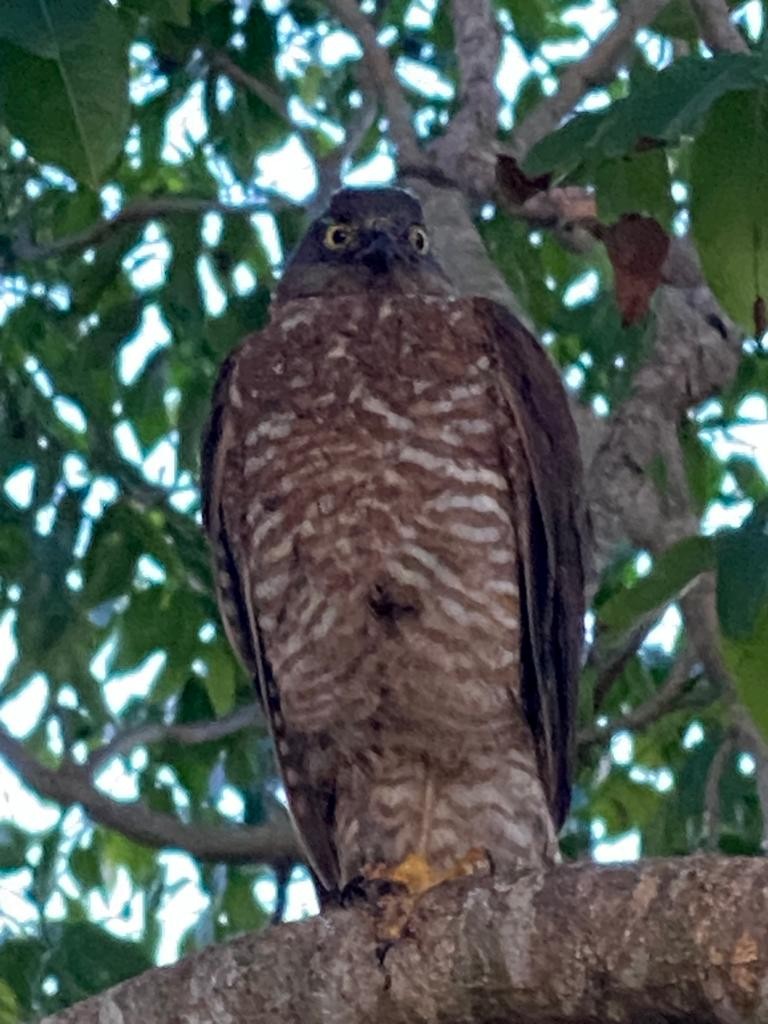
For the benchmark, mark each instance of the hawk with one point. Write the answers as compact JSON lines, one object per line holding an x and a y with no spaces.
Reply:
{"x":391,"y":486}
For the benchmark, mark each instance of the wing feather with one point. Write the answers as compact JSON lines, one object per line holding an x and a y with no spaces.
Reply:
{"x":553,"y":531}
{"x":311,"y":808}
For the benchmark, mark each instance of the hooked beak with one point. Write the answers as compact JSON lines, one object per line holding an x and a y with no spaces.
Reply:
{"x":379,"y":253}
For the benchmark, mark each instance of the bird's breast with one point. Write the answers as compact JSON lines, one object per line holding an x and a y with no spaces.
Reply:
{"x":379,"y":522}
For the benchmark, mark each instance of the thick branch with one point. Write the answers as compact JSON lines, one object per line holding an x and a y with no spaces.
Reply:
{"x":383,"y":77}
{"x":70,"y":784}
{"x":683,"y":940}
{"x":695,"y":355}
{"x":717,"y":29}
{"x":597,"y":68}
{"x":467,"y":150}
{"x":478,"y":49}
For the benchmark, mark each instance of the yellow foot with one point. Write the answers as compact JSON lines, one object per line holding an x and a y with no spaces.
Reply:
{"x":417,"y":876}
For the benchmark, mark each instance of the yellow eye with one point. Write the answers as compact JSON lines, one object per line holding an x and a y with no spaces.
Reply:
{"x":418,"y":238}
{"x":338,"y":236}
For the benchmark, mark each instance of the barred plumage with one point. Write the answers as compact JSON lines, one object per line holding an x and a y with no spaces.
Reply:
{"x":385,"y":545}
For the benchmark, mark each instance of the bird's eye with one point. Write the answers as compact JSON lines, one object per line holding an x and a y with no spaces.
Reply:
{"x":337,"y":236}
{"x":418,"y":238}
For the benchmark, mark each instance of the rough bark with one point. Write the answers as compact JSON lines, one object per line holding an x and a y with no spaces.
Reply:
{"x":662,"y":941}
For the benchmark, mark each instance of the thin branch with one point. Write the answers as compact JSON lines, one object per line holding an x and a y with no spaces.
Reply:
{"x":597,"y":68}
{"x":330,"y":167}
{"x":222,"y":63}
{"x":139,"y":212}
{"x":665,"y":698}
{"x":608,"y":660}
{"x":70,"y":784}
{"x":187,"y":734}
{"x":385,"y":82}
{"x":757,"y":745}
{"x":717,"y":29}
{"x":712,"y":803}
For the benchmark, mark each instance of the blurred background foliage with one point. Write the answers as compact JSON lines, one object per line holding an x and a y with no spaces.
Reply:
{"x":155,"y":156}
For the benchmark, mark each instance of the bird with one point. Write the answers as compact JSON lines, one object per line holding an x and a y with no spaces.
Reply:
{"x":392,"y":491}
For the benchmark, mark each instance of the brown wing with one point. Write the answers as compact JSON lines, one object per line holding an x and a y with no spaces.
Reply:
{"x":220,"y":473}
{"x":553,"y":524}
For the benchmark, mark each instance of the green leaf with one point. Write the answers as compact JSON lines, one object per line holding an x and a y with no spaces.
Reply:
{"x":637,"y":183}
{"x":46,"y":27}
{"x":662,"y":107}
{"x":623,"y":803}
{"x":84,"y":865}
{"x":13,"y":847}
{"x":174,"y":11}
{"x":729,"y":201}
{"x":10,"y":1011}
{"x":747,"y":661}
{"x":93,"y":959}
{"x":20,"y":961}
{"x":677,"y":566}
{"x":742,"y":576}
{"x":244,"y":913}
{"x":110,"y":561}
{"x":220,"y":681}
{"x":84,"y":79}
{"x":703,"y":470}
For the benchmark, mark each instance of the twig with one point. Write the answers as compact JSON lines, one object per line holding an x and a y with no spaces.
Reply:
{"x":717,"y":29}
{"x":609,"y":661}
{"x":223,"y":63}
{"x":757,"y":745}
{"x":330,"y":167}
{"x":711,"y":823}
{"x":71,"y":784}
{"x":139,"y":212}
{"x":665,"y":698}
{"x":597,"y":68}
{"x":383,"y":76}
{"x":187,"y":734}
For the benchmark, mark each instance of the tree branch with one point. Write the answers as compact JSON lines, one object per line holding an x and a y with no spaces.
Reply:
{"x":597,"y":68}
{"x":712,"y":803}
{"x":222,"y":63}
{"x":187,"y":734}
{"x":70,"y":784}
{"x":139,"y":212}
{"x":467,"y":150}
{"x":717,"y":29}
{"x":665,"y":698}
{"x":695,"y":354}
{"x":683,"y":940}
{"x":383,"y":77}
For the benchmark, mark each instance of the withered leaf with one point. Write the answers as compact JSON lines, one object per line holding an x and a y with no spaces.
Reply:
{"x":637,"y":247}
{"x":516,"y":186}
{"x":760,"y":316}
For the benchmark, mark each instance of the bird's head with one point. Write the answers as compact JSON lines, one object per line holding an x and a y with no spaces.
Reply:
{"x":368,"y":239}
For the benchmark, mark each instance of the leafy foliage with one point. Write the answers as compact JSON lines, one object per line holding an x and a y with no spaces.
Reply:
{"x":111,"y":332}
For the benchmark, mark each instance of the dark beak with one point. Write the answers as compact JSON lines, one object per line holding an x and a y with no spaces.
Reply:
{"x":379,"y":253}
